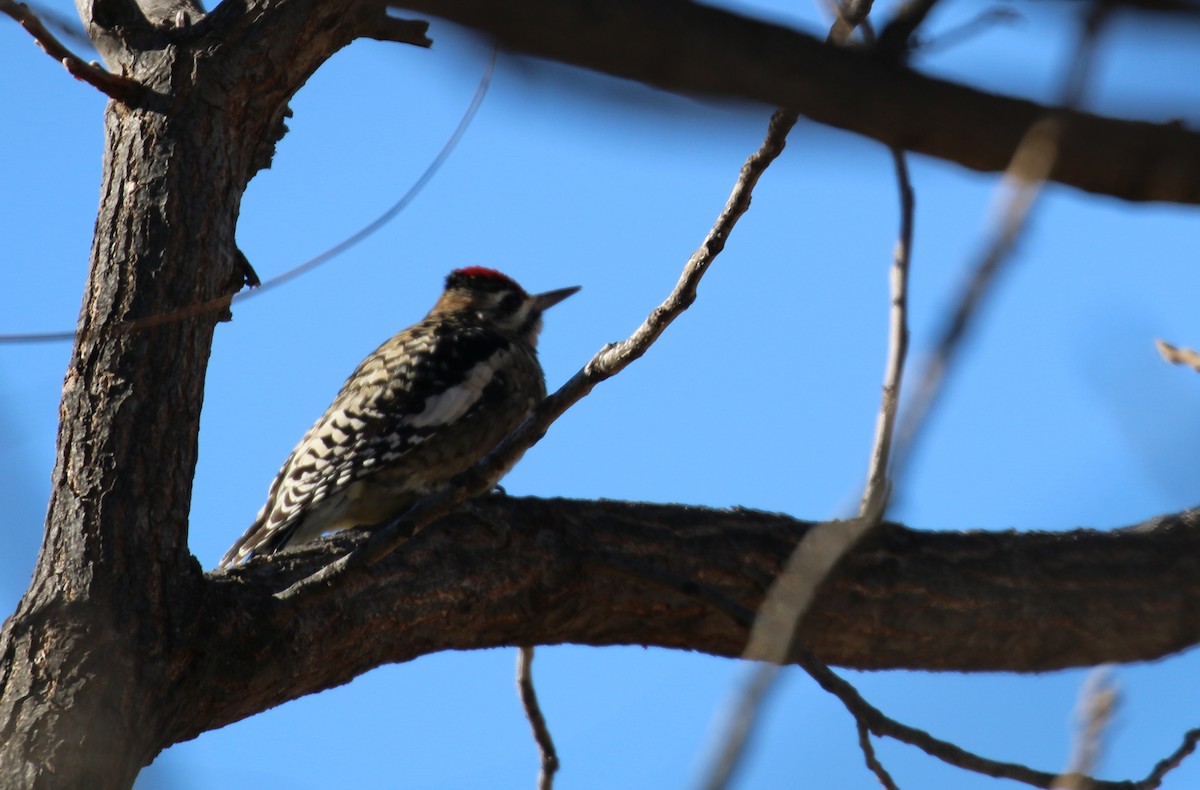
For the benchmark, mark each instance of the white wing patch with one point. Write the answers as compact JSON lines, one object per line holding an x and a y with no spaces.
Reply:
{"x":450,"y":404}
{"x":363,"y":431}
{"x":316,"y":470}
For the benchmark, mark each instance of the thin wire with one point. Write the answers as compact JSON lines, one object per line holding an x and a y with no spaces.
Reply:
{"x":387,"y":216}
{"x":336,"y":250}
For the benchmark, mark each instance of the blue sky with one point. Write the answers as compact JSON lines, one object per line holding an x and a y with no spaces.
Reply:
{"x":763,"y":395}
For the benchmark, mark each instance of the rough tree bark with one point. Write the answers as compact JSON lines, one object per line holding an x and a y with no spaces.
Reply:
{"x":115,"y":587}
{"x":122,"y":646}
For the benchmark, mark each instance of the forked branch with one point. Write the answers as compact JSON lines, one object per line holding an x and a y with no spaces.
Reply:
{"x":114,"y":86}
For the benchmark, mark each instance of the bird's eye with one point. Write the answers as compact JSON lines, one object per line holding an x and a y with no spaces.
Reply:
{"x":510,"y":302}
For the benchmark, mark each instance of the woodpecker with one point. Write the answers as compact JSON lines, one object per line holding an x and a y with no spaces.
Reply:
{"x":421,"y":408}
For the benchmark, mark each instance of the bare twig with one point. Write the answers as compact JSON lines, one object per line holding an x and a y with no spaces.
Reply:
{"x":947,"y":752}
{"x":1030,"y":167}
{"x":114,"y":86}
{"x":1172,"y":761}
{"x":739,"y":725}
{"x":1179,"y":356}
{"x":789,"y":598}
{"x":67,"y":25}
{"x":533,"y":712}
{"x":608,"y":362}
{"x":1097,"y":702}
{"x":772,"y":637}
{"x":874,"y":501}
{"x":868,"y":750}
{"x":1022,"y":185}
{"x":821,"y":549}
{"x":793,"y":591}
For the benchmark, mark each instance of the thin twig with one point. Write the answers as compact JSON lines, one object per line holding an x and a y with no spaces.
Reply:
{"x":875,"y":498}
{"x":1179,"y":356}
{"x":739,"y":725}
{"x":608,"y":362}
{"x":1023,"y":182}
{"x":114,"y":86}
{"x":1097,"y":702}
{"x":1172,"y":761}
{"x":223,"y":302}
{"x":68,"y":26}
{"x":868,"y":750}
{"x":533,"y":712}
{"x":1021,"y":186}
{"x":464,"y":123}
{"x":882,"y":725}
{"x":789,"y":598}
{"x":793,"y":591}
{"x":822,"y":547}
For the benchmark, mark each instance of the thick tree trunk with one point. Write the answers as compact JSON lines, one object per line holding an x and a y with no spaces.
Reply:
{"x":89,"y":659}
{"x":92,"y":637}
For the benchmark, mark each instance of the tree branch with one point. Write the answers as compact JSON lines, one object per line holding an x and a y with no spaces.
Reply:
{"x":872,"y":760}
{"x":689,"y":48}
{"x":870,"y":717}
{"x":537,"y":721}
{"x":964,"y":601}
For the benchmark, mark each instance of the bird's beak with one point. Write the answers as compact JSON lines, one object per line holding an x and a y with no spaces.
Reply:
{"x":551,"y":298}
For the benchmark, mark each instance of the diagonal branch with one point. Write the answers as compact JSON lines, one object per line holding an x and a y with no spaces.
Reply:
{"x":873,"y":764}
{"x":114,"y":86}
{"x":690,"y":48}
{"x":1179,"y":356}
{"x":877,"y":722}
{"x":1098,"y":702}
{"x":1172,"y":761}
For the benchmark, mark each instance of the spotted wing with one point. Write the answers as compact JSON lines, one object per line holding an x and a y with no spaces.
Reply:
{"x":399,"y":397}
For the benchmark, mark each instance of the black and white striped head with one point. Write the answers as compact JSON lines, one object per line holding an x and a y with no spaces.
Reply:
{"x":494,"y":298}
